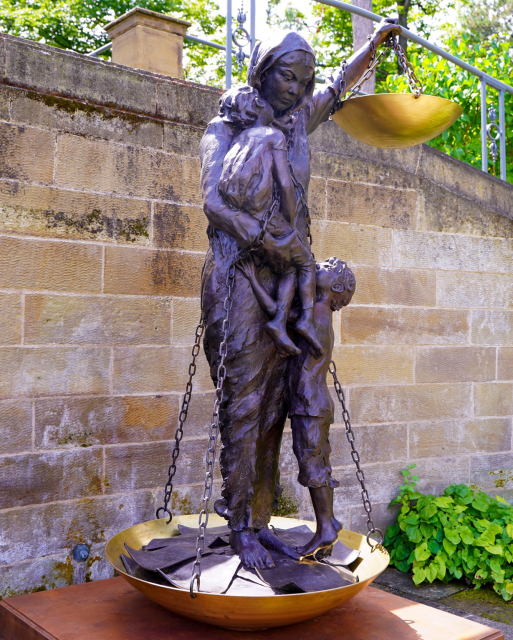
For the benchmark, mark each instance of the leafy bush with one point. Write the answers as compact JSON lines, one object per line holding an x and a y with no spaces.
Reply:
{"x":463,"y":533}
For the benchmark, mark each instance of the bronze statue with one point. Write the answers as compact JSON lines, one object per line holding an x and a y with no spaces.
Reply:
{"x":255,"y":174}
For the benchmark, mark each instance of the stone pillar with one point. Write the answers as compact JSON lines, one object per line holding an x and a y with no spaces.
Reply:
{"x":362,"y":27}
{"x":148,"y":40}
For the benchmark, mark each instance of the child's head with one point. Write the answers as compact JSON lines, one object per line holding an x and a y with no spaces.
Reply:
{"x":243,"y":106}
{"x":334,"y":275}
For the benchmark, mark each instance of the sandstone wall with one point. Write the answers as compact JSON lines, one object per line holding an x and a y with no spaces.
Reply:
{"x":102,"y":239}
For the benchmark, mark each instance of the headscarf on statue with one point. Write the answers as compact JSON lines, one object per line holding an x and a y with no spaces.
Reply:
{"x":264,"y":55}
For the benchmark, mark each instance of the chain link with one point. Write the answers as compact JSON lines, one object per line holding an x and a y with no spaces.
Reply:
{"x":390,"y":45}
{"x":219,"y":397}
{"x":360,"y":476}
{"x":414,"y":83}
{"x":300,"y":190}
{"x":168,"y":490}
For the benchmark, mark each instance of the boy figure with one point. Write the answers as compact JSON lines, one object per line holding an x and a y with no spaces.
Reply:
{"x":311,"y":408}
{"x":255,"y":179}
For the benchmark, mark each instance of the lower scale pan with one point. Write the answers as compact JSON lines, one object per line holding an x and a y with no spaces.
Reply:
{"x":396,"y":120}
{"x":243,"y":612}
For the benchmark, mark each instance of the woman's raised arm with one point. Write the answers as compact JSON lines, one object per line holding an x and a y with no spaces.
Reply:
{"x":324,"y":99}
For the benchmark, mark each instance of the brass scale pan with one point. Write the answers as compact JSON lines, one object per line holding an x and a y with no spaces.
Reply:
{"x":395,"y":120}
{"x":241,"y":611}
{"x":386,"y":120}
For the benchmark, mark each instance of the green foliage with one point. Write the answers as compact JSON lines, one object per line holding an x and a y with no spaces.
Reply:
{"x":441,"y":78}
{"x":78,"y":25}
{"x":330,"y":30}
{"x":463,"y":533}
{"x":483,"y":19}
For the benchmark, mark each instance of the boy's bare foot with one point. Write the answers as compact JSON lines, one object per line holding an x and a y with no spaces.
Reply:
{"x":336,"y":524}
{"x":323,"y":538}
{"x":271,"y":541}
{"x":306,"y":328}
{"x":282,"y":342}
{"x":252,"y":554}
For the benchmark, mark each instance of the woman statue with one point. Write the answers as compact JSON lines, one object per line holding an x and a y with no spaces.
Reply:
{"x":255,"y":405}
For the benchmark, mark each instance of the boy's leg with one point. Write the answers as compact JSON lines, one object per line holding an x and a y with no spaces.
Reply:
{"x":303,"y":261}
{"x":277,"y":327}
{"x":311,"y":447}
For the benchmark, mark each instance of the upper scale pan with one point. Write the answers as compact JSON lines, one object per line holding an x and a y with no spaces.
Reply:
{"x":243,"y":612}
{"x":396,"y":120}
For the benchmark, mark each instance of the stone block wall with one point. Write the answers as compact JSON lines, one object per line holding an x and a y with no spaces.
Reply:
{"x":102,"y":239}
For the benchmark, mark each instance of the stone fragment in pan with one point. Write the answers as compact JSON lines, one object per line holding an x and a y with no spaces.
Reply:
{"x":248,"y":583}
{"x":223,"y":530}
{"x":340,"y":555}
{"x":291,"y":576}
{"x":163,"y":558}
{"x":133,"y":569}
{"x":217,"y":573}
{"x":301,"y":535}
{"x":212,"y":540}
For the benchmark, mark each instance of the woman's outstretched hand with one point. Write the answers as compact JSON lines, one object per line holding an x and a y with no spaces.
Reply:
{"x":387,"y":27}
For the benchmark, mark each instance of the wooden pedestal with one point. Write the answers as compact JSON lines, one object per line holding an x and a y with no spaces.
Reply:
{"x":113,"y":610}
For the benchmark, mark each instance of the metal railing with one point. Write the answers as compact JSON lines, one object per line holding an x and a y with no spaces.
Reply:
{"x":493,"y":132}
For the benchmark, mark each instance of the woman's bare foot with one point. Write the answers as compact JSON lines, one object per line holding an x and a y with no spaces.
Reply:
{"x":306,"y":328}
{"x":271,"y":541}
{"x":323,"y":538}
{"x":336,"y":524}
{"x":282,"y":342}
{"x":252,"y":554}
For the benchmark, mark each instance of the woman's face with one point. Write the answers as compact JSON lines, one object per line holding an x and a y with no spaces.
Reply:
{"x":286,"y":81}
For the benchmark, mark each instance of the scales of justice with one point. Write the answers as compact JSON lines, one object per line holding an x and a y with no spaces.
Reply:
{"x":266,"y":325}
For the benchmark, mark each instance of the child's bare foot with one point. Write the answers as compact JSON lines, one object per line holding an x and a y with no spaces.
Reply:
{"x":252,"y":554}
{"x":306,"y":328}
{"x":323,"y":538}
{"x":282,"y":342}
{"x":271,"y":541}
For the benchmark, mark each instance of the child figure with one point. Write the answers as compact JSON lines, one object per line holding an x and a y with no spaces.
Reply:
{"x":311,"y":408}
{"x":255,"y":171}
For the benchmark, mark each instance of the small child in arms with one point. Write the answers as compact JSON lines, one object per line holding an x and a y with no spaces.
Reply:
{"x":255,"y":173}
{"x":311,"y":408}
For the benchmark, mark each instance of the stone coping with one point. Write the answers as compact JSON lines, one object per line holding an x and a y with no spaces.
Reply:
{"x":48,"y":70}
{"x":145,"y":16}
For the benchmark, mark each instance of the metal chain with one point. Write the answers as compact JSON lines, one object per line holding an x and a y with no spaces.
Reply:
{"x":390,"y":45}
{"x":414,"y":83}
{"x":299,"y":188}
{"x":356,"y":459}
{"x":219,"y":397}
{"x":161,"y":511}
{"x":214,"y":433}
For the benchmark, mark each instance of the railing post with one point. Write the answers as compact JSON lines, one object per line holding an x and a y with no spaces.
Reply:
{"x":228,"y":82}
{"x":502,"y":124}
{"x":252,"y":30}
{"x":484,"y":132}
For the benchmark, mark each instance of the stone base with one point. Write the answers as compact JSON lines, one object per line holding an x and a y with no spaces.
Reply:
{"x":113,"y":609}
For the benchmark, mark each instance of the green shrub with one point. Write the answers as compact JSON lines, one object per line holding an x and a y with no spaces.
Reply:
{"x":463,"y":533}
